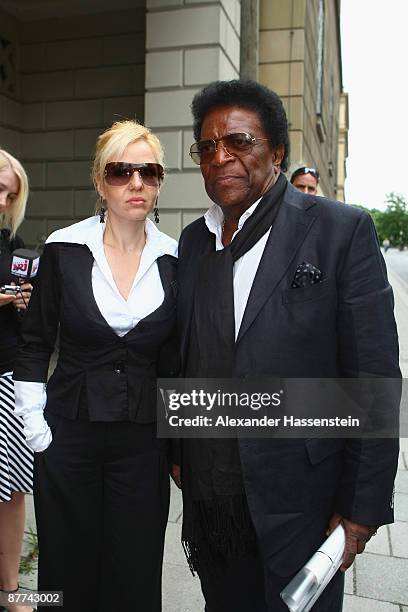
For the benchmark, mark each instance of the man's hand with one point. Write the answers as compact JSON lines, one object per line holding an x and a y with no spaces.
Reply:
{"x":175,"y":474}
{"x":357,"y":537}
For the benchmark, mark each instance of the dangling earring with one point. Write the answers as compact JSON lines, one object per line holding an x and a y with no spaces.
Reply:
{"x":102,"y":209}
{"x":156,"y":212}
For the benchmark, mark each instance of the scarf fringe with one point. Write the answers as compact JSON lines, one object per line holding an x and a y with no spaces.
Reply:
{"x":222,"y":529}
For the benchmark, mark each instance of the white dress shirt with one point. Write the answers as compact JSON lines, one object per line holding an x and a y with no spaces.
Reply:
{"x":146,"y":295}
{"x":245,"y":268}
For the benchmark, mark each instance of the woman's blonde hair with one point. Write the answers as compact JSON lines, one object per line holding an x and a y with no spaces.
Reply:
{"x":12,"y":217}
{"x":114,"y":141}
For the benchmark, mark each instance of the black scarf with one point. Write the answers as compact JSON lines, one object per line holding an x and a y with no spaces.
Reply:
{"x":217,"y":523}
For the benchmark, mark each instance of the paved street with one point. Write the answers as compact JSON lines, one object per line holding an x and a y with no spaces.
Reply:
{"x":378,"y":581}
{"x":397,"y":262}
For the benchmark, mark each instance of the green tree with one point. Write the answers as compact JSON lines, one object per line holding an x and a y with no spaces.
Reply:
{"x":393,"y":222}
{"x":376,"y":215}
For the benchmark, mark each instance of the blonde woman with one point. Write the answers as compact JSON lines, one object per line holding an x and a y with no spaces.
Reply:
{"x":101,"y":482}
{"x":15,"y":457}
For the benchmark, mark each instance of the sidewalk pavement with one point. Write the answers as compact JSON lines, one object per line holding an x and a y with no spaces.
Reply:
{"x":378,"y":580}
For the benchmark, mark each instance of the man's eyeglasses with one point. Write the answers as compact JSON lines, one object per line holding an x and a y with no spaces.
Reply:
{"x":119,"y":173}
{"x":305,"y":170}
{"x":236,"y":145}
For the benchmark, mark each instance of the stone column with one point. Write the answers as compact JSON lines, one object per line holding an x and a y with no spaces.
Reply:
{"x":189,"y":43}
{"x":250,"y":39}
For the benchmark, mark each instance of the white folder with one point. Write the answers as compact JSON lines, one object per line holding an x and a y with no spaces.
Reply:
{"x":309,"y":583}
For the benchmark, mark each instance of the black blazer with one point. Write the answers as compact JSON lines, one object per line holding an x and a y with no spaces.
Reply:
{"x":341,"y":327}
{"x":10,"y":319}
{"x":99,"y":374}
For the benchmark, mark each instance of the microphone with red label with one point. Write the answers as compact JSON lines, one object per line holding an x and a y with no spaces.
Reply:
{"x":24,"y":266}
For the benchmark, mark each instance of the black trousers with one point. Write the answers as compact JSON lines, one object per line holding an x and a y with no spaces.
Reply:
{"x":239,"y":588}
{"x":101,"y":493}
{"x":245,"y":586}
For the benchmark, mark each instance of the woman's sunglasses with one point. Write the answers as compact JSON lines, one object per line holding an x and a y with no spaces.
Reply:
{"x":120,"y":173}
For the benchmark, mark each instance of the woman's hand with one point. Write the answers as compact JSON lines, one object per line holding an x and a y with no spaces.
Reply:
{"x":37,"y":431}
{"x":23,"y":296}
{"x":6,"y":299}
{"x":30,"y":401}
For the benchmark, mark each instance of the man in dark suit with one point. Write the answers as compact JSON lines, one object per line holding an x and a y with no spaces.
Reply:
{"x":255,"y":510}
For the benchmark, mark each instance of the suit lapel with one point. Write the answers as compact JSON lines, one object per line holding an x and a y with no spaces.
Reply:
{"x":291,"y":227}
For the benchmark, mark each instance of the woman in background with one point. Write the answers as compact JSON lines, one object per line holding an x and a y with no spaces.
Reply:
{"x":101,"y":483}
{"x":16,"y":459}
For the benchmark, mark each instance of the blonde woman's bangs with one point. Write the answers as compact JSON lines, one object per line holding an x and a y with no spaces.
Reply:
{"x":113,"y":142}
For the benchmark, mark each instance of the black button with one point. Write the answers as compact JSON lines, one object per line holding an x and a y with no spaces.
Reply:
{"x":119,"y":367}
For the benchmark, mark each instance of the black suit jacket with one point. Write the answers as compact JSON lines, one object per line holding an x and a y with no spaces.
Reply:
{"x":99,"y":375}
{"x":341,"y":327}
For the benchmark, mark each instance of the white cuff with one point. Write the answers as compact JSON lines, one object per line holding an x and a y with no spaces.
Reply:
{"x":29,"y":397}
{"x":30,"y":400}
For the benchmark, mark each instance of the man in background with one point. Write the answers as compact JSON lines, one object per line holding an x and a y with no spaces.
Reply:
{"x":305,"y":179}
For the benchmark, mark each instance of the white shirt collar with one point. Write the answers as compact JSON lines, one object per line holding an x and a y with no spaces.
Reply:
{"x":214,"y":220}
{"x":90,"y":232}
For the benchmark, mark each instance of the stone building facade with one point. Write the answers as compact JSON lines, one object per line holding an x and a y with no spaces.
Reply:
{"x":300,"y":58}
{"x":68,"y":69}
